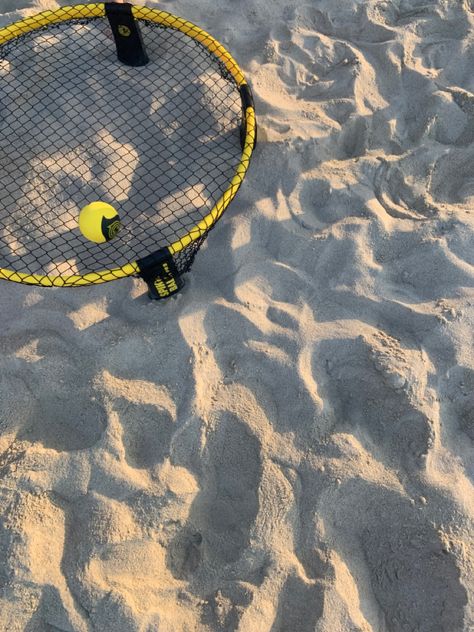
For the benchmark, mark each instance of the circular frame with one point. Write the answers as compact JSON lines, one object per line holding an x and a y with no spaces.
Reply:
{"x":168,"y":20}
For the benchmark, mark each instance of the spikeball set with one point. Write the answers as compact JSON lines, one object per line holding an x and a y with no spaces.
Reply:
{"x":125,"y":133}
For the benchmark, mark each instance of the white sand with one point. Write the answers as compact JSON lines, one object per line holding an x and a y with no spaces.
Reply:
{"x":288,"y":445}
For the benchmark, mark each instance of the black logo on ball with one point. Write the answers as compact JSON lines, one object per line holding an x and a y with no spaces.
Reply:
{"x":111,"y":227}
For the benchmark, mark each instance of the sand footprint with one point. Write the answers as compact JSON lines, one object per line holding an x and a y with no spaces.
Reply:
{"x":300,"y":606}
{"x":225,"y":607}
{"x":452,"y":182}
{"x":316,"y":205}
{"x":388,"y":568}
{"x":66,"y":421}
{"x":402,"y":186}
{"x":273,"y":347}
{"x":16,"y":408}
{"x":62,"y":418}
{"x":225,"y":510}
{"x":313,"y":66}
{"x":354,"y":22}
{"x":147,"y":415}
{"x":461,"y":394}
{"x":147,"y":433}
{"x":33,"y":540}
{"x":376,"y":389}
{"x":446,"y":263}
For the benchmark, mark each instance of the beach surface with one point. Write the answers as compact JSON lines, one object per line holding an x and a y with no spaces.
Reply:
{"x":288,"y":444}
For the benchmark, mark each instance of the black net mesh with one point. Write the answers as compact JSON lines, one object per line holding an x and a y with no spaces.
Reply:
{"x":159,"y":142}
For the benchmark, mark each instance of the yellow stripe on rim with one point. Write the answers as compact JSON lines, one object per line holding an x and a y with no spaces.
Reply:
{"x":91,"y":278}
{"x":228,"y":195}
{"x":39,"y":20}
{"x":78,"y":11}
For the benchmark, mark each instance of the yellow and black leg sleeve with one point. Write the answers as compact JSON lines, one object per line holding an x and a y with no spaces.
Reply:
{"x":161,"y":274}
{"x":128,"y":38}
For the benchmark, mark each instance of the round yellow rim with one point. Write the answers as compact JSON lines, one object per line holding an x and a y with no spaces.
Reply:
{"x":171,"y":21}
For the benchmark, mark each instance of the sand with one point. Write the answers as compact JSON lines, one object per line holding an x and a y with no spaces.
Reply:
{"x":287,"y":446}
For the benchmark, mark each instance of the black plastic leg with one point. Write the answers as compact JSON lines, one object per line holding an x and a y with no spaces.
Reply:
{"x":161,"y":274}
{"x":128,"y":38}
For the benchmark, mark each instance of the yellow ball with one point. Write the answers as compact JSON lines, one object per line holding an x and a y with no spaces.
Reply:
{"x":99,"y":222}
